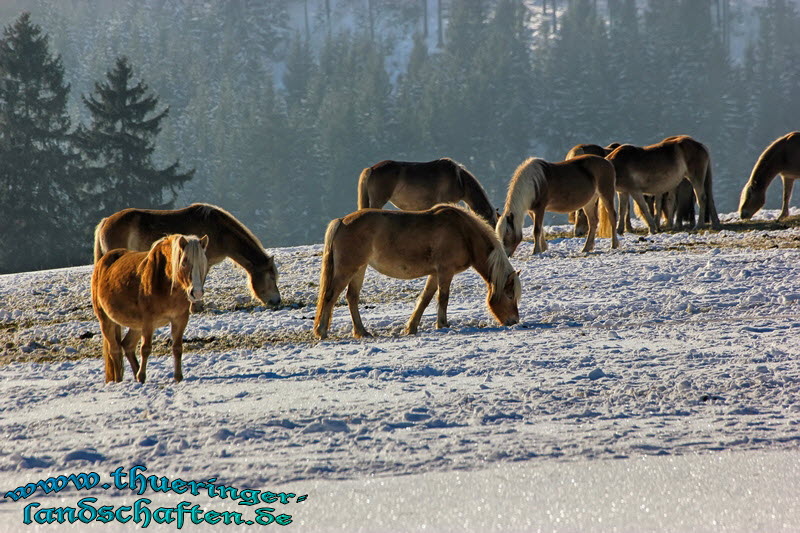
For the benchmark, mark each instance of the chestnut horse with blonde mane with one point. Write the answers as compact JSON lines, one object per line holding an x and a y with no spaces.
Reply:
{"x":137,"y":229}
{"x":144,"y":291}
{"x":538,"y":186}
{"x":437,"y":243}
{"x":418,"y":186}
{"x":781,"y":157}
{"x":658,"y":169}
{"x":577,"y":217}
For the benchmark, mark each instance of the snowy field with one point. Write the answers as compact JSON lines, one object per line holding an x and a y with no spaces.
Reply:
{"x":650,"y":388}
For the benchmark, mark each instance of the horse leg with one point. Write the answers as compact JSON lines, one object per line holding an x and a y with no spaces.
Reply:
{"x":444,"y":298}
{"x":112,"y":351}
{"x":129,"y":343}
{"x":422,"y":303}
{"x":590,"y":210}
{"x":700,"y":195}
{"x":539,"y":242}
{"x":147,"y":348}
{"x":624,"y":213}
{"x":788,"y":182}
{"x":337,"y":285}
{"x":177,"y":327}
{"x":353,"y":291}
{"x":638,"y":197}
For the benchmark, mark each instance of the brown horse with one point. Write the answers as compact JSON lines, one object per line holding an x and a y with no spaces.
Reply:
{"x":577,"y":217}
{"x":419,"y":186}
{"x":658,"y":169}
{"x":781,"y":157}
{"x":538,"y":186}
{"x":437,"y":243}
{"x":137,"y":229}
{"x":144,"y":291}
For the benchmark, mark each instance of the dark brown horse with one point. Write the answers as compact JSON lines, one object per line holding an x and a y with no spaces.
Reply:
{"x":438,"y":243}
{"x":659,"y":168}
{"x":144,"y":291}
{"x":418,"y":186}
{"x":781,"y":157}
{"x":137,"y":229}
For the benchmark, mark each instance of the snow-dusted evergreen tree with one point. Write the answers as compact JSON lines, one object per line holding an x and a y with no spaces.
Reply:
{"x":119,"y":143}
{"x":40,"y":198}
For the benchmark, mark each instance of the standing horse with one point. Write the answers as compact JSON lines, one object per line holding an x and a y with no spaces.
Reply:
{"x":144,"y":291}
{"x":577,"y":217}
{"x":538,"y":186}
{"x":437,"y":243}
{"x":137,"y":229}
{"x":659,"y":168}
{"x":419,"y":186}
{"x":781,"y":157}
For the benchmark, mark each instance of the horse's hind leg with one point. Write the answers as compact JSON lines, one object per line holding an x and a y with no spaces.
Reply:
{"x":422,"y":302}
{"x":444,"y":297}
{"x":147,"y":348}
{"x":590,"y":210}
{"x":177,"y":328}
{"x":788,"y":182}
{"x":325,"y":310}
{"x":353,"y":292}
{"x":129,"y":343}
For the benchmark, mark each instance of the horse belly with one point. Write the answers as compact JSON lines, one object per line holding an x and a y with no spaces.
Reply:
{"x":401,"y":268}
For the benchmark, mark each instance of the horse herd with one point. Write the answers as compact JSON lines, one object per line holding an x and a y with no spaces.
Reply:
{"x":150,"y":267}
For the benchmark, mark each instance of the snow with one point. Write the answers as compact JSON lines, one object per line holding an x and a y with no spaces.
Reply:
{"x":647,"y":388}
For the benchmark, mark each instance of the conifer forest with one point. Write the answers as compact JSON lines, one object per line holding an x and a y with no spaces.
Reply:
{"x":271,"y":109}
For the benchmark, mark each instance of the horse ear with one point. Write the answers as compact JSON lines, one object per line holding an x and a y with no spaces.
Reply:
{"x":182,"y":241}
{"x":509,"y":288}
{"x":204,"y":241}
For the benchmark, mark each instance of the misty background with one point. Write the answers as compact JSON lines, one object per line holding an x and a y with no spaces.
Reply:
{"x":271,"y":109}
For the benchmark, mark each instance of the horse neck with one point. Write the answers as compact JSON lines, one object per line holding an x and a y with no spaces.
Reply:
{"x":156,"y":268}
{"x":526,"y":186}
{"x":475,"y":196}
{"x":765,"y":170}
{"x":485,"y":264}
{"x":244,"y":249}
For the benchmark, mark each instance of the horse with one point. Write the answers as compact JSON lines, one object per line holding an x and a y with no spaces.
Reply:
{"x":581,"y":225}
{"x":414,"y":186}
{"x":137,"y":229}
{"x":144,"y":291}
{"x":438,"y":243}
{"x":659,"y":168}
{"x":538,"y":186}
{"x":781,"y":157}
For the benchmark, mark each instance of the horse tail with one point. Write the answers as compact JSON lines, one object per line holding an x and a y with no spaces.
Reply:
{"x":326,"y":272}
{"x":604,"y":228}
{"x":363,"y":189}
{"x":605,"y":224}
{"x":99,"y":249}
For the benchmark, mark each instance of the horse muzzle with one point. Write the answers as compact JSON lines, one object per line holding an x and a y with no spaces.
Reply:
{"x":195,"y":295}
{"x":745,"y":215}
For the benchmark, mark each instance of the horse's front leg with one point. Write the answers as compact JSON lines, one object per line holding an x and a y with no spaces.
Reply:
{"x":422,"y":303}
{"x":444,"y":297}
{"x":624,"y":220}
{"x":353,"y":292}
{"x":112,"y":351}
{"x":147,"y":348}
{"x":178,"y":326}
{"x":788,"y":182}
{"x":539,"y":243}
{"x":638,"y":197}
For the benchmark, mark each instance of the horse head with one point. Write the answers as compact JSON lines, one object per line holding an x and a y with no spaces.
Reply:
{"x":752,"y":199}
{"x":503,"y":299}
{"x":509,"y":232}
{"x":190,"y":265}
{"x":264,"y":282}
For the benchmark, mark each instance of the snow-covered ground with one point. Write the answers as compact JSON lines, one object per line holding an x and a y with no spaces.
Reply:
{"x":653,"y":387}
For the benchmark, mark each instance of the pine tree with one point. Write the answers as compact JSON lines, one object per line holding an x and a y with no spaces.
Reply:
{"x":120,"y":142}
{"x":40,"y":201}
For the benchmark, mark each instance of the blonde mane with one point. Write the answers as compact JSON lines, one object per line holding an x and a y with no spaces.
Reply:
{"x":526,"y":185}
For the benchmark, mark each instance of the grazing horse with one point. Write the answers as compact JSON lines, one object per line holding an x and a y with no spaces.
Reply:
{"x":419,"y":186}
{"x":781,"y":157}
{"x":437,"y":243}
{"x":577,"y":217}
{"x":137,"y":229}
{"x":658,"y":169}
{"x":538,"y":186}
{"x":144,"y":291}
